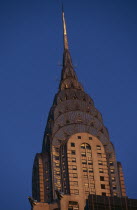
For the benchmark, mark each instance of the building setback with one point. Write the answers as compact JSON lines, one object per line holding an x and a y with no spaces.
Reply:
{"x":77,"y":166}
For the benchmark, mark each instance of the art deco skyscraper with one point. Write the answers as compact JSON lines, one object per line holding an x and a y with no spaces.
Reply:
{"x":77,"y":155}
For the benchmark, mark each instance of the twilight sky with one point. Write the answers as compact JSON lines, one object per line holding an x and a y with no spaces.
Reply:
{"x":103,"y":44}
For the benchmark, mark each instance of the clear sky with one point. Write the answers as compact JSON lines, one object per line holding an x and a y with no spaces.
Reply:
{"x":103,"y":44}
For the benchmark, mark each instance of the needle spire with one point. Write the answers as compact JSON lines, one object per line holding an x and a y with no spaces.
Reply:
{"x":64,"y":30}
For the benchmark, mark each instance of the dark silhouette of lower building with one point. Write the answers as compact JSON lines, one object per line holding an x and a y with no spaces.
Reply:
{"x":97,"y":202}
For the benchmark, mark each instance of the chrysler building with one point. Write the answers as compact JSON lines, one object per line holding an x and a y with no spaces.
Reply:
{"x":77,"y":158}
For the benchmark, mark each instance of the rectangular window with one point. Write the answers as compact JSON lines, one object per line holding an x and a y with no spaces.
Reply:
{"x":90,"y":138}
{"x":58,"y":172}
{"x":79,"y":137}
{"x":99,"y":155}
{"x":57,"y":164}
{"x":72,"y":144}
{"x":76,"y":192}
{"x":83,"y":154}
{"x":103,"y":193}
{"x":88,"y":154}
{"x":100,"y":162}
{"x":56,"y":157}
{"x":86,"y":185}
{"x":98,"y":147}
{"x":74,"y":167}
{"x":100,"y":170}
{"x":73,"y":152}
{"x":112,"y":171}
{"x":101,"y":178}
{"x":90,"y":170}
{"x":74,"y":160}
{"x":84,"y":169}
{"x":114,"y":187}
{"x":75,"y":175}
{"x":103,"y":186}
{"x":75,"y":183}
{"x":113,"y":179}
{"x":84,"y":162}
{"x":111,"y":163}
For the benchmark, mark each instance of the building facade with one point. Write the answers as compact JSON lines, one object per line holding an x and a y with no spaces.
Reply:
{"x":77,"y":159}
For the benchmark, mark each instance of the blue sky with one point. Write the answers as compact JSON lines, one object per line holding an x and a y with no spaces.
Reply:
{"x":103,"y":44}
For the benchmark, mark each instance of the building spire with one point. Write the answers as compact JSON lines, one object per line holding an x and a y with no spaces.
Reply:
{"x":64,"y":30}
{"x":68,"y":75}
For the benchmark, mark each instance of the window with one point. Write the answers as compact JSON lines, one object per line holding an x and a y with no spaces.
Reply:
{"x":103,"y":193}
{"x":75,"y":183}
{"x":86,"y":185}
{"x":90,"y":170}
{"x":98,"y":147}
{"x":83,"y":154}
{"x":90,"y":163}
{"x":112,"y":171}
{"x":113,"y":179}
{"x":58,"y":172}
{"x":72,"y":144}
{"x":114,"y":187}
{"x":57,"y":164}
{"x":101,"y":178}
{"x":88,"y":147}
{"x":99,"y":155}
{"x":56,"y":157}
{"x":84,"y":169}
{"x":73,"y":152}
{"x":74,"y":167}
{"x":79,"y":137}
{"x":111,"y":164}
{"x":85,"y":146}
{"x":73,"y":202}
{"x":90,"y":138}
{"x":100,"y":170}
{"x":103,"y":186}
{"x":74,"y":160}
{"x":76,"y":192}
{"x":84,"y":162}
{"x":100,"y":162}
{"x":75,"y":175}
